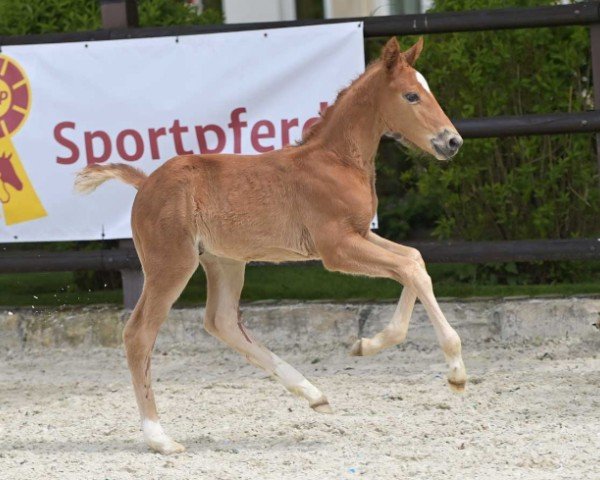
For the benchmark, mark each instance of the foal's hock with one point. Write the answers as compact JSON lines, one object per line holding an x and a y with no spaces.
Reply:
{"x":312,"y":201}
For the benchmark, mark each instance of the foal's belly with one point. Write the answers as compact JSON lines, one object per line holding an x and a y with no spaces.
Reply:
{"x":256,"y":240}
{"x":260,"y":254}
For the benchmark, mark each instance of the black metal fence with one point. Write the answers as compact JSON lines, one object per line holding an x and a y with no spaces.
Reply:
{"x":120,"y":21}
{"x":433,"y":252}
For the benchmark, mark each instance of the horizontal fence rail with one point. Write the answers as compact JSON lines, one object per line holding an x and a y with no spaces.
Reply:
{"x":480,"y":20}
{"x":433,"y":252}
{"x":523,"y":125}
{"x":509,"y":251}
{"x":29,"y":261}
{"x":470,"y":21}
{"x":545,"y":124}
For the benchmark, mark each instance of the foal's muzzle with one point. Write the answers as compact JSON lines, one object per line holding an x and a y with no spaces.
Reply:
{"x":446,"y":144}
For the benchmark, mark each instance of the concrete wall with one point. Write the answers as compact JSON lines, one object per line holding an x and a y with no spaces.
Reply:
{"x":330,"y":325}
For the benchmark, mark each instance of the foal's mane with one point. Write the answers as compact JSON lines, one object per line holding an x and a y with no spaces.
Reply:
{"x":325,"y":115}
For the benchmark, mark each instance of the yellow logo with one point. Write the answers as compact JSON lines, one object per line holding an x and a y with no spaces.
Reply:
{"x":19,"y":200}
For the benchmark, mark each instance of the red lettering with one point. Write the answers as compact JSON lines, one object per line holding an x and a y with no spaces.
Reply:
{"x":139,"y":145}
{"x":236,"y":125}
{"x":285,"y":130}
{"x":130,"y":144}
{"x":256,"y":136}
{"x":203,"y":144}
{"x":154,"y":134}
{"x":58,"y":136}
{"x":89,"y":146}
{"x":176,"y":130}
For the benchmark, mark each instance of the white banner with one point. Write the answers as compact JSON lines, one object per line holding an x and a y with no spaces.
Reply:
{"x":143,"y":101}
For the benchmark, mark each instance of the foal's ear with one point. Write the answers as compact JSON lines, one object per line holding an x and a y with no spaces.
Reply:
{"x":391,"y":54}
{"x":412,"y":54}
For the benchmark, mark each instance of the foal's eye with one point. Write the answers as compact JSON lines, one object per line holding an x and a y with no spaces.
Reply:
{"x":412,"y":97}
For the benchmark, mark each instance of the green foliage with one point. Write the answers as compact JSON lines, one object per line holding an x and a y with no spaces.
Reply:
{"x":517,"y":187}
{"x":509,"y":188}
{"x":174,"y":12}
{"x":21,"y":17}
{"x":403,"y":211}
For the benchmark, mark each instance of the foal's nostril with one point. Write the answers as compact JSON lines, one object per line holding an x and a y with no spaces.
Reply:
{"x":454,"y":143}
{"x":446,"y":144}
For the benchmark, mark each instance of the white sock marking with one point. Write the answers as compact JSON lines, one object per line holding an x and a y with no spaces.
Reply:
{"x":294,"y":381}
{"x":153,"y":430}
{"x":157,"y":439}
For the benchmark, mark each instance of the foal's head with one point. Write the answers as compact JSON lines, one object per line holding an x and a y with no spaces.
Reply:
{"x":410,"y":112}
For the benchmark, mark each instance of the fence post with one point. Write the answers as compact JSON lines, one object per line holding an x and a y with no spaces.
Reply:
{"x":119,"y":13}
{"x":133,"y":280}
{"x":595,"y":50}
{"x":124,"y":14}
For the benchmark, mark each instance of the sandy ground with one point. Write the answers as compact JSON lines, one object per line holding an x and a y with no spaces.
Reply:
{"x":530,"y":412}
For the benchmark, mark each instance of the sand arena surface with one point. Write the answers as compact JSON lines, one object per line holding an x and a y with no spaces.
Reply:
{"x":530,"y":412}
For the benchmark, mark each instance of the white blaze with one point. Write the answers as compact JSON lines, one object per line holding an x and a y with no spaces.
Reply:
{"x":422,"y":81}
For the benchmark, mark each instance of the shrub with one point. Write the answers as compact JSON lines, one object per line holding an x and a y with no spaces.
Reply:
{"x":516,"y":187}
{"x":21,"y":17}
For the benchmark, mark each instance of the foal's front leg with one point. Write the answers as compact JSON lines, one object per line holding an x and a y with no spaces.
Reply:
{"x":395,"y":332}
{"x":355,"y":254}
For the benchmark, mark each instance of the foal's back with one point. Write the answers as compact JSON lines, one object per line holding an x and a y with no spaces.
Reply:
{"x":237,"y":206}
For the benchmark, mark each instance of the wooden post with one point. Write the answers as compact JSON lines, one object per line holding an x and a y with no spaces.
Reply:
{"x":133,"y":280}
{"x":119,"y":13}
{"x":124,"y":14}
{"x":595,"y":47}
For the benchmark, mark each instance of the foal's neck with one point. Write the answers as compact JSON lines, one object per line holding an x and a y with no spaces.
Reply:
{"x":354,"y":127}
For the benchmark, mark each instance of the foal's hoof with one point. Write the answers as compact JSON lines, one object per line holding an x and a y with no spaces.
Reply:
{"x":169,"y":447}
{"x":457,"y":387}
{"x":457,"y":376}
{"x":357,"y":348}
{"x":322,"y":406}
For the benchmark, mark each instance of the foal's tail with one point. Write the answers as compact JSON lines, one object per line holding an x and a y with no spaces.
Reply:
{"x":92,"y":176}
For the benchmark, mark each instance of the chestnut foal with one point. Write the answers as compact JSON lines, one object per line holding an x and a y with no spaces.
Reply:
{"x":312,"y":201}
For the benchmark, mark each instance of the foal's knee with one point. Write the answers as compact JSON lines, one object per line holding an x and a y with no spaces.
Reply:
{"x":416,"y":256}
{"x":414,"y":275}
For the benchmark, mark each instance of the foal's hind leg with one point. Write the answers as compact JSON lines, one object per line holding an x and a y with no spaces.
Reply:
{"x":166,"y":272}
{"x":395,"y":332}
{"x":225,"y":279}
